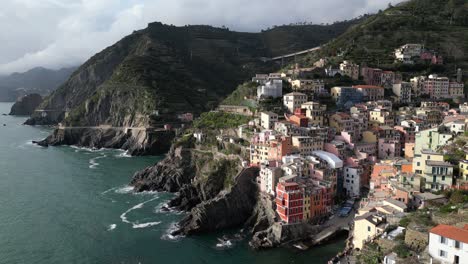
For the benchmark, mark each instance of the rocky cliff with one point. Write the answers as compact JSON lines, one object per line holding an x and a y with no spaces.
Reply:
{"x":137,"y":142}
{"x":26,"y":105}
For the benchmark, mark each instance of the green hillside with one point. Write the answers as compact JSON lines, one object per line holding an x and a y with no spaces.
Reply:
{"x":440,"y":25}
{"x":156,"y":73}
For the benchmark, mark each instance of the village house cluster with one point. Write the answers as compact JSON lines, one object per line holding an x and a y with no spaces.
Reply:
{"x":385,"y":151}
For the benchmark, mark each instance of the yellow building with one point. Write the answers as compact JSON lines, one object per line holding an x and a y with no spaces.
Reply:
{"x":437,"y":173}
{"x":315,"y":112}
{"x":314,"y":86}
{"x":306,"y":145}
{"x":463,"y":170}
{"x":367,"y":227}
{"x":381,"y":117}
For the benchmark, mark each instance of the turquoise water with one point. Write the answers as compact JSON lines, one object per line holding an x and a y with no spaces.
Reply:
{"x":69,"y":205}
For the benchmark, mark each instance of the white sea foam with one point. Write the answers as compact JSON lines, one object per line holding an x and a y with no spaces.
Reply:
{"x":124,"y":154}
{"x":145,"y":225}
{"x":124,"y":190}
{"x":111,"y":227}
{"x":168,"y":234}
{"x":124,"y":218}
{"x":224,"y":243}
{"x":108,"y":190}
{"x":93,"y":162}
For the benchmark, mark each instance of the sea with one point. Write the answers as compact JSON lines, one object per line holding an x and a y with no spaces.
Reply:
{"x":74,"y":205}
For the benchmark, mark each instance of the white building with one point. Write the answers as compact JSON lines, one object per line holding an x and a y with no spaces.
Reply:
{"x":268,"y":120}
{"x":403,"y":92}
{"x":330,"y":72}
{"x":407,"y":52}
{"x":449,"y":244}
{"x":272,"y":88}
{"x":269,"y":177}
{"x":464,"y":109}
{"x":294,"y":100}
{"x":261,"y":79}
{"x":352,"y":180}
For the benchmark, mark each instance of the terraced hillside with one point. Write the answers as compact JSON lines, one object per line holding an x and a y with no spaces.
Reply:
{"x":440,"y":25}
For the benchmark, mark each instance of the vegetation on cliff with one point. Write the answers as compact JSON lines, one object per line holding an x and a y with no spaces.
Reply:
{"x":153,"y":74}
{"x":439,"y":25}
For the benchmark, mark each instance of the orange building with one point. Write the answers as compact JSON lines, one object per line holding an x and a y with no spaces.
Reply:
{"x":279,"y":148}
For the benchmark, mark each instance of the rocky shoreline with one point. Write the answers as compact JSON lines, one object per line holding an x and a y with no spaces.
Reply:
{"x":26,"y":105}
{"x":135,"y":142}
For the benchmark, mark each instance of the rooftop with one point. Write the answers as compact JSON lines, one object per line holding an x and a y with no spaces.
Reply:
{"x":367,"y":86}
{"x":438,"y":163}
{"x":294,"y":94}
{"x":451,"y":232}
{"x":428,"y":196}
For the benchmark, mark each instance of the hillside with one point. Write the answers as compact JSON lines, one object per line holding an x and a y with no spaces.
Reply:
{"x":37,"y":80}
{"x":440,"y":25}
{"x":156,"y":73}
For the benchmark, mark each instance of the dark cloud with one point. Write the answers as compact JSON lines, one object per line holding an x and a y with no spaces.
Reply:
{"x":58,"y":33}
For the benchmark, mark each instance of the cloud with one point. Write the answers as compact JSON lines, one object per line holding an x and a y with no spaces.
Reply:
{"x":59,"y":33}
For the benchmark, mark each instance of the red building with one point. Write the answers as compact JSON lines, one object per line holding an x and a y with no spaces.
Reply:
{"x":289,"y":202}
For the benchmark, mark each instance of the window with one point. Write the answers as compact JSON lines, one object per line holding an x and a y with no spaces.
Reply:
{"x":368,"y":228}
{"x":442,"y":253}
{"x":443,"y":240}
{"x":457,"y":244}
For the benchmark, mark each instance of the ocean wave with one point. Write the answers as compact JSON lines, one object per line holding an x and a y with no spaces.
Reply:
{"x":124,"y":190}
{"x":123,"y":216}
{"x":124,"y":154}
{"x":93,"y":162}
{"x":168,"y":234}
{"x":145,"y":225}
{"x":111,"y":227}
{"x":77,"y":149}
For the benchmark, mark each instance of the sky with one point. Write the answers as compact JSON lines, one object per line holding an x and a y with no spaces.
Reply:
{"x":64,"y":33}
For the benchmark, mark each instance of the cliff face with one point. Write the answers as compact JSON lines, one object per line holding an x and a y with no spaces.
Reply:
{"x":136,"y":142}
{"x":215,"y":190}
{"x":26,"y":105}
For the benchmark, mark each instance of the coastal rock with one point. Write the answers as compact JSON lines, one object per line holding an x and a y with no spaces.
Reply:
{"x":279,"y":234}
{"x":136,"y":142}
{"x":170,"y":174}
{"x":264,"y":214}
{"x":231,"y":208}
{"x":26,"y":105}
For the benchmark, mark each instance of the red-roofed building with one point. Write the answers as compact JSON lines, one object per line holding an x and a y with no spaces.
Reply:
{"x":449,"y":244}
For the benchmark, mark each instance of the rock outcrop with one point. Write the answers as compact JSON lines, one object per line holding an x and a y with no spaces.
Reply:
{"x":26,"y":105}
{"x":136,"y":142}
{"x":278,"y":234}
{"x":230,"y":208}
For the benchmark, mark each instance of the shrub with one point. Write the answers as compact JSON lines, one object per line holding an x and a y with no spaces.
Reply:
{"x":402,"y":251}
